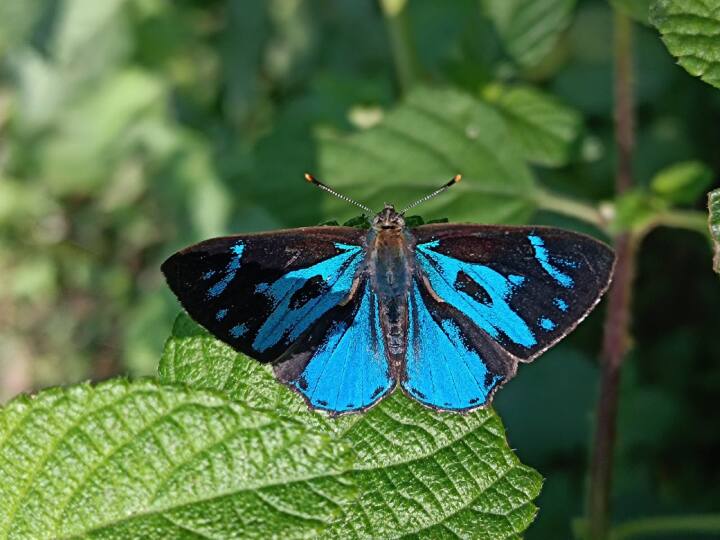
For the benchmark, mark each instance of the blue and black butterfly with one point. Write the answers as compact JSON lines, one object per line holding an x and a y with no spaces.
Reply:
{"x":344,"y":315}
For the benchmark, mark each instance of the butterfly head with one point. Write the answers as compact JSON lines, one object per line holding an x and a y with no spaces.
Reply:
{"x":388,"y":219}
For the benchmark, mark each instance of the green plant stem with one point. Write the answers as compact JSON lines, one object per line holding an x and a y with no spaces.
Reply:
{"x":691,"y":220}
{"x":615,"y":339}
{"x":583,"y":211}
{"x":401,"y":42}
{"x":699,"y":524}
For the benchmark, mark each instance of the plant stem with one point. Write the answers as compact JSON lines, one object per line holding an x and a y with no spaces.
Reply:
{"x":671,"y":525}
{"x":403,"y":48}
{"x":560,"y":204}
{"x":615,"y":339}
{"x":691,"y":220}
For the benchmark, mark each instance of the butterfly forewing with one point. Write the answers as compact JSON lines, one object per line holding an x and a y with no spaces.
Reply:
{"x":261,"y":292}
{"x":525,"y":287}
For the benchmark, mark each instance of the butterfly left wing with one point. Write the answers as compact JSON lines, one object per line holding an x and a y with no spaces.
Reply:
{"x":260,"y":293}
{"x":524,"y":287}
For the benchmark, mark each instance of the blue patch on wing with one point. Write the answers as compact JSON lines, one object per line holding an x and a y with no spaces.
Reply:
{"x":441,"y":370}
{"x":288,"y":319}
{"x":546,"y":324}
{"x":543,"y":257}
{"x":230,"y":272}
{"x":496,"y":316}
{"x":349,"y":370}
{"x":238,"y":331}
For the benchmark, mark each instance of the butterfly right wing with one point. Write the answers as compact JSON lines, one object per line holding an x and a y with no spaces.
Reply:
{"x":486,"y":297}
{"x":450,"y":362}
{"x":341,"y":364}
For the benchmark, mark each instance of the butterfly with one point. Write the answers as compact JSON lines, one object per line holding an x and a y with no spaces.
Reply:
{"x":345,"y":315}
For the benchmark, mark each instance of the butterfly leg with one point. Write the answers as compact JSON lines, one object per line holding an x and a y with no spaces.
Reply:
{"x":352,"y":292}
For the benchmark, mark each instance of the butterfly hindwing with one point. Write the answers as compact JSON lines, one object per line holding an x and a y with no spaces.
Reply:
{"x":341,"y":365}
{"x":261,"y":292}
{"x":525,"y":287}
{"x":450,"y":362}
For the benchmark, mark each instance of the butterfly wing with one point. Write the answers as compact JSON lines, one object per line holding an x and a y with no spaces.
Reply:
{"x":261,"y":292}
{"x":450,"y":362}
{"x":525,"y":287}
{"x":298,"y":299}
{"x":341,"y":364}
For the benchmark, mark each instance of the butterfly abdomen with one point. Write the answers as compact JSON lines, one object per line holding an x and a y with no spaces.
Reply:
{"x":391,"y":268}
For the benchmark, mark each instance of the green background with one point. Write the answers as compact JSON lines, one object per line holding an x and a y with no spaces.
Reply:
{"x":131,"y":128}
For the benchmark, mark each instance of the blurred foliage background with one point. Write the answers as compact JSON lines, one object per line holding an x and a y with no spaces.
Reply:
{"x":130,"y":128}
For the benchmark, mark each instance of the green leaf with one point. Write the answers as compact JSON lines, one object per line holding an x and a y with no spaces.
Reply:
{"x":545,"y":128}
{"x":425,"y":141}
{"x":529,"y":30}
{"x":359,"y":222}
{"x":101,"y":124}
{"x":414,"y":221}
{"x":16,"y":22}
{"x":714,"y":224}
{"x":418,"y":472}
{"x":691,"y":32}
{"x":682,"y":182}
{"x":144,"y":460}
{"x":636,"y":210}
{"x":79,"y":25}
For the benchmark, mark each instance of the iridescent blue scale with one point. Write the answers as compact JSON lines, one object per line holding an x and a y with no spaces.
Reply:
{"x":345,"y":315}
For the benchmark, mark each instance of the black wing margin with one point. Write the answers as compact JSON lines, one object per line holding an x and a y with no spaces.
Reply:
{"x":261,"y":292}
{"x":526,"y":287}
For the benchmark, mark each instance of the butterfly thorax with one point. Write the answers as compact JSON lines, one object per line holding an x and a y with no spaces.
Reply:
{"x":390,"y":268}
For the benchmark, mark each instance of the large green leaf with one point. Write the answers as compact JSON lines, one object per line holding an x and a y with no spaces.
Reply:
{"x":419,"y":473}
{"x":100,"y":124}
{"x":545,"y":128}
{"x":529,"y":29}
{"x":16,"y":22}
{"x":143,"y":460}
{"x":425,"y":141}
{"x":691,"y":32}
{"x":714,"y":224}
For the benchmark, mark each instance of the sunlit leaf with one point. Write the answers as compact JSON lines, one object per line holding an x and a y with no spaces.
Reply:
{"x":545,"y":128}
{"x":79,"y":23}
{"x":96,"y":126}
{"x":417,"y":472}
{"x":691,"y":32}
{"x":421,"y":144}
{"x":16,"y":21}
{"x":529,"y":29}
{"x":143,"y":460}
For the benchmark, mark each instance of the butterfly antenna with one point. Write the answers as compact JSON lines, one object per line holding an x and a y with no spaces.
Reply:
{"x":310,"y":178}
{"x":455,"y":179}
